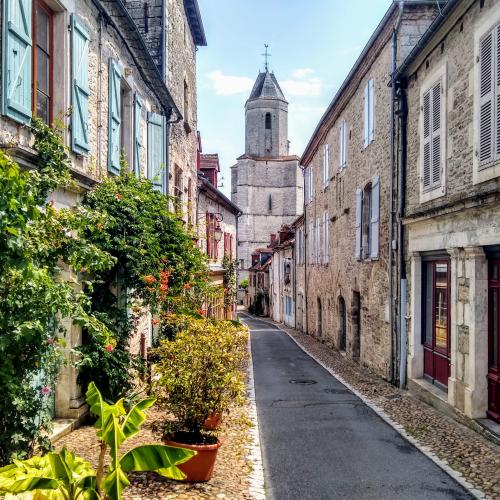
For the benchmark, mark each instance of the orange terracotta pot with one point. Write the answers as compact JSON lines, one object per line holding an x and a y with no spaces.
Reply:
{"x":212,"y":421}
{"x":200,"y":468}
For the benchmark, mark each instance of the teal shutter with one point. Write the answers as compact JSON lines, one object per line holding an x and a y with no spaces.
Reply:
{"x":137,"y":134}
{"x":114,"y":112}
{"x":16,"y":49}
{"x":80,"y":87}
{"x":157,"y":151}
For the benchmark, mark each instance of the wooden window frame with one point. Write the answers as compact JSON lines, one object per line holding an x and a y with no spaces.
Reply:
{"x":34,"y":80}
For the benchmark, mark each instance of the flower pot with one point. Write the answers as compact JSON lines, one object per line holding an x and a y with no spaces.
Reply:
{"x":200,"y":468}
{"x":212,"y":422}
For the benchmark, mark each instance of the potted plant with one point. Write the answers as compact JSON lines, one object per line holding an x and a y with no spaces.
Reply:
{"x":198,"y":376}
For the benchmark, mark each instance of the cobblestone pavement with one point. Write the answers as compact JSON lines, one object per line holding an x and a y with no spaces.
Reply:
{"x":465,"y":451}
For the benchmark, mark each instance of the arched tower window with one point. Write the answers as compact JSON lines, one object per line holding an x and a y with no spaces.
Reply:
{"x":268,"y":121}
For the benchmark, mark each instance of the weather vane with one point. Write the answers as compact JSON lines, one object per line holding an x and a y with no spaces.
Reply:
{"x":266,"y":57}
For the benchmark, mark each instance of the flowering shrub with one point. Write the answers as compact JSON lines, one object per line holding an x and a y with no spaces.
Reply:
{"x":199,"y":373}
{"x":36,"y":246}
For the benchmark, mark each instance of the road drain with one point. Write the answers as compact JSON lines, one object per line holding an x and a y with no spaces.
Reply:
{"x":301,"y":381}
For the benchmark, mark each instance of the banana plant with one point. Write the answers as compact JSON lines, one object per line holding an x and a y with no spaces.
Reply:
{"x":65,"y":476}
{"x":54,"y":476}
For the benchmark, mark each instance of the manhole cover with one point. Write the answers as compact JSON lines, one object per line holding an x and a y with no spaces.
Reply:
{"x":301,"y":381}
{"x":336,"y":391}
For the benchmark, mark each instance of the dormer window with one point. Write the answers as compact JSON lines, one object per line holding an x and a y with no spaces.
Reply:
{"x":268,"y":121}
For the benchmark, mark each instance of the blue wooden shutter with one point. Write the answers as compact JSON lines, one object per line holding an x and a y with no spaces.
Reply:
{"x":137,"y":134}
{"x":16,"y":49}
{"x":114,"y":111}
{"x":375,"y":219}
{"x":80,"y":87}
{"x":157,"y":151}
{"x":359,"y":208}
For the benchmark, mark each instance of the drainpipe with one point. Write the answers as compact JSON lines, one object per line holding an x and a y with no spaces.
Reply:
{"x":392,"y":324}
{"x":305,"y":325}
{"x":403,"y":120}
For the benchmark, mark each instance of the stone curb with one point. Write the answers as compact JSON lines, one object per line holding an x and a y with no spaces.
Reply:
{"x":256,"y":477}
{"x":386,"y":418}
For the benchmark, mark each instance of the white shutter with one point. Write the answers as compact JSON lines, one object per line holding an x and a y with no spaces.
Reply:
{"x":375,"y":219}
{"x":486,"y":103}
{"x":318,"y":247}
{"x":326,"y":155}
{"x":426,"y":160}
{"x":344,"y":142}
{"x":306,"y":184}
{"x":326,"y":256}
{"x":359,"y":208}
{"x":311,"y":242}
{"x":367,"y":114}
{"x":436,"y":135}
{"x":312,"y":183}
{"x":341,"y":147}
{"x":371,"y":110}
{"x":497,"y":92}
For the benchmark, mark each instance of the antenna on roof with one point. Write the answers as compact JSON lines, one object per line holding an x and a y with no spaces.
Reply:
{"x":266,"y":56}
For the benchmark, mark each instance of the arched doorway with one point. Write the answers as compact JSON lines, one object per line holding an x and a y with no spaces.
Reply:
{"x":356,"y":324}
{"x":319,"y":322}
{"x":342,"y":324}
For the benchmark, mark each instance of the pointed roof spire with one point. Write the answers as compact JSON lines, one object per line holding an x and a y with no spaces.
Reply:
{"x":266,"y":87}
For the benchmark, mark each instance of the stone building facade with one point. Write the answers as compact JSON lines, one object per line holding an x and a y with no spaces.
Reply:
{"x":106,"y":89}
{"x":173,"y":31}
{"x":266,"y":182}
{"x":282,"y":277}
{"x":217,"y":225}
{"x":453,"y":210}
{"x":348,"y":203}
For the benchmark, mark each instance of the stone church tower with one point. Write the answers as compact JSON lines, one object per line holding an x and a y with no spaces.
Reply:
{"x":266,"y":183}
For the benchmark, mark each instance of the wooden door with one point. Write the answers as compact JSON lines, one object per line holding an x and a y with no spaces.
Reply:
{"x":436,"y":339}
{"x":494,"y":340}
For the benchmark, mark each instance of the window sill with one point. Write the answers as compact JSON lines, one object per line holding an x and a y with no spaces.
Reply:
{"x":486,"y":173}
{"x":431,"y":194}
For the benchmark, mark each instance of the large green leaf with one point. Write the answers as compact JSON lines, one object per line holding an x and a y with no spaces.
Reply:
{"x":113,"y":436}
{"x":30,"y":483}
{"x":114,"y":483}
{"x":101,"y":409}
{"x":158,"y":458}
{"x":136,"y":417}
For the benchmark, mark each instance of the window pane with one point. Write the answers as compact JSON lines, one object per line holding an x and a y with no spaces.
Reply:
{"x":494,"y":328}
{"x":42,"y":29}
{"x":42,"y":70}
{"x":42,"y":107}
{"x":441,"y":306}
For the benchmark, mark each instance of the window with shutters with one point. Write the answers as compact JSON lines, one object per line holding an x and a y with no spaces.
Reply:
{"x":309,"y":184}
{"x":326,"y":238}
{"x":157,"y":151}
{"x":43,"y":36}
{"x":369,"y":102}
{"x":326,"y":167}
{"x":342,"y":146}
{"x":367,"y":224}
{"x":114,"y":116}
{"x":432,"y":137}
{"x":488,"y":144}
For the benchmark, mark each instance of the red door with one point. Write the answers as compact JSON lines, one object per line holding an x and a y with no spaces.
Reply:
{"x":436,"y":322}
{"x":494,"y":340}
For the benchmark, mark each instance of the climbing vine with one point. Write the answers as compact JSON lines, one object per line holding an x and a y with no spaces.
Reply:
{"x":39,"y":245}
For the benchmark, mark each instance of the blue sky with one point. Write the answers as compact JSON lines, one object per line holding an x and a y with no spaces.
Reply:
{"x":313,"y":45}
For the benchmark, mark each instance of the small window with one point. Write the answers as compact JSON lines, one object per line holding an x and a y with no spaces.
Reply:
{"x":268,"y":121}
{"x":42,"y":61}
{"x":365,"y":225}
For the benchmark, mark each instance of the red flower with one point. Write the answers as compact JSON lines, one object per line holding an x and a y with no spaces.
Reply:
{"x":163,"y":287}
{"x":118,"y":196}
{"x":149,"y":279}
{"x":202,"y":312}
{"x":110,"y":348}
{"x":46,"y":390}
{"x":156,"y":322}
{"x":188,"y":286}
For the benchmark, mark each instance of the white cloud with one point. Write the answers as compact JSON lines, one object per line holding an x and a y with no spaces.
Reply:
{"x":308,"y":87}
{"x":230,"y":85}
{"x":302,"y":72}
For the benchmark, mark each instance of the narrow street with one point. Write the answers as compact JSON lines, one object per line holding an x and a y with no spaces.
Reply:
{"x":320,"y":441}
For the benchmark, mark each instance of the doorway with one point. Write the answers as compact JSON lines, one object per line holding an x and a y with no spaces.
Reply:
{"x":319,"y":323}
{"x":356,"y":325}
{"x":436,"y":324}
{"x":494,"y":340}
{"x":343,"y":325}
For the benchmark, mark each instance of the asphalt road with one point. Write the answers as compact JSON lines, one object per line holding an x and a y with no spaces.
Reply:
{"x":320,"y":441}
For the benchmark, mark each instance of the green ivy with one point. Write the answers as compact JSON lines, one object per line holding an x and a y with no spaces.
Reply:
{"x":38,"y":244}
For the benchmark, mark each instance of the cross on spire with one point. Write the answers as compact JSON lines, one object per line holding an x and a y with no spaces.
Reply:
{"x":266,"y":56}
